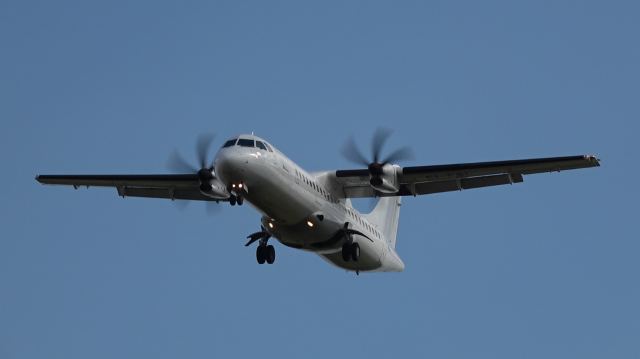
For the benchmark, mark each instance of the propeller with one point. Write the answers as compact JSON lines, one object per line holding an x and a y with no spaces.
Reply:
{"x":375,"y":166}
{"x":177,"y":164}
{"x":351,"y":152}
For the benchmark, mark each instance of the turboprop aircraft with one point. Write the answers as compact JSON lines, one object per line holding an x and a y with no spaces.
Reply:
{"x":313,"y":211}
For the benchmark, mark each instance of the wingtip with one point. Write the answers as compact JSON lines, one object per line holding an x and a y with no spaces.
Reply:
{"x":592,"y":159}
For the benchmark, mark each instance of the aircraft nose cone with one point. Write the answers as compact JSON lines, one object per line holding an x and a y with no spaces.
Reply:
{"x":229,"y":166}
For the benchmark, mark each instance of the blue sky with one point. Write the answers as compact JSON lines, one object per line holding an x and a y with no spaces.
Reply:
{"x":547,"y":268}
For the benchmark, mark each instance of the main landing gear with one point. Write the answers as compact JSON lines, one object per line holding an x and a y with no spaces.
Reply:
{"x":265,"y":252}
{"x":350,"y":251}
{"x":236,"y":199}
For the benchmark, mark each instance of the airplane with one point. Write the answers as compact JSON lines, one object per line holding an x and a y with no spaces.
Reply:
{"x":312,"y":211}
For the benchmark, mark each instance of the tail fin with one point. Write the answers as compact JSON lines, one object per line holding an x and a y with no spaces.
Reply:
{"x":386,"y":215}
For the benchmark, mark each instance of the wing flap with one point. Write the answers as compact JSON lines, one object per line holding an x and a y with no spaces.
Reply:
{"x":168,"y":193}
{"x":422,"y":188}
{"x":359,"y":192}
{"x":466,"y":183}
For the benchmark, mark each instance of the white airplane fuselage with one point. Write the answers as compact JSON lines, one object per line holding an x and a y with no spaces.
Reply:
{"x":301,"y":210}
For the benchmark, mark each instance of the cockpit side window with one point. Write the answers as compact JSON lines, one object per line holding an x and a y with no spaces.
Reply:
{"x":230,"y":143}
{"x":246,"y":143}
{"x":268,"y":147}
{"x":260,"y":145}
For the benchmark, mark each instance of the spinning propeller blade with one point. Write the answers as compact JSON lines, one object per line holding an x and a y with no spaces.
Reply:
{"x":202,"y":149}
{"x":351,"y":152}
{"x":177,"y":164}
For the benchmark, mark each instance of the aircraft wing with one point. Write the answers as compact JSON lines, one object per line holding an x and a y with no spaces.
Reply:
{"x":420,"y":180}
{"x":150,"y":186}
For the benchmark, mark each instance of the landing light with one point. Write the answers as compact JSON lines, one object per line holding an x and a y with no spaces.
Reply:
{"x":270,"y":225}
{"x":240,"y":185}
{"x":233,"y":185}
{"x":310,"y":224}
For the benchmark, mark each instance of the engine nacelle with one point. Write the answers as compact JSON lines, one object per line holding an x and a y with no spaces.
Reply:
{"x":215,"y":189}
{"x":387,"y":180}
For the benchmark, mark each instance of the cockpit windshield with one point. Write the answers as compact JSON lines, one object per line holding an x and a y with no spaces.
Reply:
{"x":246,"y":143}
{"x":230,"y":143}
{"x":260,"y":145}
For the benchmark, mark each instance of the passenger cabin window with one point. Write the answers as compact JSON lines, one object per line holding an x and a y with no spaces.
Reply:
{"x":230,"y":143}
{"x":261,"y":146}
{"x":246,"y":143}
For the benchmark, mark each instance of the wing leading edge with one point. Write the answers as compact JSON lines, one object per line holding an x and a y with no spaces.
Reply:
{"x":421,"y":180}
{"x":149,"y":186}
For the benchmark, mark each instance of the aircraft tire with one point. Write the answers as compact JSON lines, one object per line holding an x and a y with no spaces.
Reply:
{"x":346,"y":253}
{"x":240,"y":200}
{"x":270,"y":254}
{"x":355,"y":251}
{"x":260,"y":255}
{"x":232,"y":200}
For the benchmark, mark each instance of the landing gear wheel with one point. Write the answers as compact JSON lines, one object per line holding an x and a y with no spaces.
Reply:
{"x":260,"y":255}
{"x":346,"y":252}
{"x":232,"y":200}
{"x":240,"y":200}
{"x":270,"y":254}
{"x":355,"y":251}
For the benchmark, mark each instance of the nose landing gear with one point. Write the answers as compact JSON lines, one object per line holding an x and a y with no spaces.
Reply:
{"x":236,"y":199}
{"x":236,"y":193}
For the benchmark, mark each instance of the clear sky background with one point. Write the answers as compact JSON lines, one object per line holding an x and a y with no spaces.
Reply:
{"x":544,"y":269}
